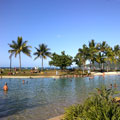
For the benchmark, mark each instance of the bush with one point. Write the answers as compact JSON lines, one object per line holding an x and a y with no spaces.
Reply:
{"x":100,"y":106}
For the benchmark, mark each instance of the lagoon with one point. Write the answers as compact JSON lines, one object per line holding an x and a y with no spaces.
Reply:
{"x":44,"y":98}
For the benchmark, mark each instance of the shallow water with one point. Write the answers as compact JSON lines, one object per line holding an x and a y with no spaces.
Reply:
{"x":43,"y":98}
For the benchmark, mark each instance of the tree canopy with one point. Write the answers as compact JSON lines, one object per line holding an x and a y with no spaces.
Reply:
{"x":61,"y":61}
{"x":42,"y":52}
{"x":18,"y":47}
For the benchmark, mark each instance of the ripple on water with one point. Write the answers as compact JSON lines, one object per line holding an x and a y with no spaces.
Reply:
{"x":40,"y":99}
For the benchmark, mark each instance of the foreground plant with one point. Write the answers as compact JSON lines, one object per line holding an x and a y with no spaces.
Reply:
{"x":100,"y":106}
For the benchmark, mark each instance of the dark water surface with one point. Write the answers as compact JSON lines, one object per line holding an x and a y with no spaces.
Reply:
{"x":43,"y":98}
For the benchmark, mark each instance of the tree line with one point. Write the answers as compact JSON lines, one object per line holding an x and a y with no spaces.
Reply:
{"x":100,"y":53}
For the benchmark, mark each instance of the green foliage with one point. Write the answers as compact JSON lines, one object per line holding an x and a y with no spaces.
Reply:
{"x":100,"y":106}
{"x":82,"y":56}
{"x":78,"y":60}
{"x":42,"y":52}
{"x":18,"y":47}
{"x":61,"y":61}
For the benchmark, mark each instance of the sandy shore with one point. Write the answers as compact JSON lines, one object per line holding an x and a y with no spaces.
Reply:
{"x":57,"y":118}
{"x":105,"y":73}
{"x":93,"y":73}
{"x":30,"y":76}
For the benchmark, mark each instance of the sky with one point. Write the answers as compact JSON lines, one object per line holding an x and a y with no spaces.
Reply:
{"x":63,"y":25}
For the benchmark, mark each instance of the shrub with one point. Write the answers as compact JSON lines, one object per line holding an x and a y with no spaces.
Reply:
{"x":99,"y":106}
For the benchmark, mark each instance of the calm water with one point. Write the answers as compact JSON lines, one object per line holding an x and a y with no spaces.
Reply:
{"x":40,"y":99}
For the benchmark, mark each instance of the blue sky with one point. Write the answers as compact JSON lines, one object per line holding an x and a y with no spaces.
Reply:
{"x":61,"y":24}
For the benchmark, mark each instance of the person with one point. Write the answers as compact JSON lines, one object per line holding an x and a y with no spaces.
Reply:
{"x":56,"y":72}
{"x":91,"y":77}
{"x":115,"y":85}
{"x":110,"y":85}
{"x":5,"y":88}
{"x":23,"y":81}
{"x":88,"y":71}
{"x":103,"y":74}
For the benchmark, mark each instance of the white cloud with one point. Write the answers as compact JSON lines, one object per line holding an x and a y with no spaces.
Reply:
{"x":59,"y":36}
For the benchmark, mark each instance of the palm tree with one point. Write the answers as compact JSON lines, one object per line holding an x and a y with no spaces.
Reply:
{"x":42,"y":52}
{"x":102,"y":47}
{"x":117,"y":54}
{"x":18,"y":47}
{"x":100,"y":59}
{"x":92,"y":53}
{"x":83,"y":55}
{"x":109,"y":57}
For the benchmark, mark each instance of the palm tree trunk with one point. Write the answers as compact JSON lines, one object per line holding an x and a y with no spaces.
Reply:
{"x":93,"y":66}
{"x":90,"y":66}
{"x":99,"y":66}
{"x":102,"y":66}
{"x":10,"y":63}
{"x":83,"y":68}
{"x":107,"y":67}
{"x":42,"y":63}
{"x":116,"y":67}
{"x":20,"y":61}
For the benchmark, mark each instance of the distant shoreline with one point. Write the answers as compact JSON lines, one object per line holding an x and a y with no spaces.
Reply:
{"x":30,"y":76}
{"x":106,"y":73}
{"x":92,"y":73}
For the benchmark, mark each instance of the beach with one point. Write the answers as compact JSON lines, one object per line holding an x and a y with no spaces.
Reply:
{"x":92,"y":73}
{"x":56,"y":118}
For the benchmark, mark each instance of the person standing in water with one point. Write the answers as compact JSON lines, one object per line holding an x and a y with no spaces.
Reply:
{"x":23,"y":81}
{"x":5,"y":88}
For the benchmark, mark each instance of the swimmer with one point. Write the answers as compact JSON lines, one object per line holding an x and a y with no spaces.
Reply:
{"x":31,"y":77}
{"x":23,"y":81}
{"x":91,"y":77}
{"x":103,"y":74}
{"x":5,"y":88}
{"x":115,"y":85}
{"x":110,"y":85}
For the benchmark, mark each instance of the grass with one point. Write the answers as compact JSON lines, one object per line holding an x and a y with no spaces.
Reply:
{"x":28,"y":72}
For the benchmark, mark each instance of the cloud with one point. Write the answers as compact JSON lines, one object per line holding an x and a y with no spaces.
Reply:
{"x":59,"y":36}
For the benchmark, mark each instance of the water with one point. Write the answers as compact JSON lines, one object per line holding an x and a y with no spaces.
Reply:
{"x":40,"y":99}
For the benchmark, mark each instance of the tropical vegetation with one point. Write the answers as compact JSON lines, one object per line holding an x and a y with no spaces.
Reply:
{"x":88,"y":56}
{"x":101,"y":105}
{"x":100,"y":53}
{"x":19,"y":47}
{"x":61,"y":61}
{"x":42,"y":52}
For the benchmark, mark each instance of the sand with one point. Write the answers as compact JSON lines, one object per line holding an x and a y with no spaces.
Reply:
{"x":105,"y":73}
{"x":57,"y":118}
{"x":93,"y":73}
{"x":30,"y":76}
